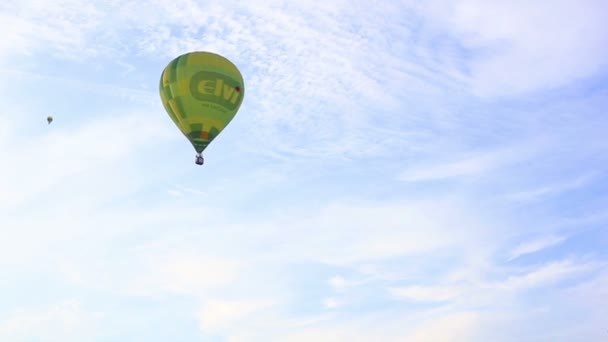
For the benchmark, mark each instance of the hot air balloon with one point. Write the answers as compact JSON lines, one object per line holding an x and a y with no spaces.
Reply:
{"x":202,"y":92}
{"x":49,"y":119}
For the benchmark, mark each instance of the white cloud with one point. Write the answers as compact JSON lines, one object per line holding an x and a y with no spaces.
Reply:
{"x":551,"y":190}
{"x":426,"y":293}
{"x":174,"y":193}
{"x":349,"y":233}
{"x":186,"y":271}
{"x":221,"y":315}
{"x":495,"y":291}
{"x":60,"y":156}
{"x":331,"y":303}
{"x":472,"y":164}
{"x":118,"y":92}
{"x":61,"y":28}
{"x":535,"y":246}
{"x":397,"y":326}
{"x":546,"y":275}
{"x":391,"y":68}
{"x":526,"y":46}
{"x":181,"y":191}
{"x":218,"y":259}
{"x":65,"y":321}
{"x":190,"y":274}
{"x":338,"y":282}
{"x":192,"y":191}
{"x":460,"y":326}
{"x":96,"y":209}
{"x":290,"y":97}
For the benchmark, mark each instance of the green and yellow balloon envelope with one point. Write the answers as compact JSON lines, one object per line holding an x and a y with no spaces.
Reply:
{"x":202,"y":92}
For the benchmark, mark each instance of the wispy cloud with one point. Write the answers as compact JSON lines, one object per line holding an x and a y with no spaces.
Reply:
{"x":425,"y":294}
{"x":508,"y":288}
{"x":66,"y":320}
{"x":318,"y":215}
{"x":133,"y":95}
{"x":452,"y":327}
{"x":535,"y":246}
{"x":66,"y":154}
{"x":180,"y":191}
{"x":217,"y":316}
{"x":472,"y":165}
{"x":516,"y":52}
{"x":293,"y":95}
{"x":189,"y":274}
{"x":63,"y":29}
{"x":551,"y":189}
{"x":547,"y":274}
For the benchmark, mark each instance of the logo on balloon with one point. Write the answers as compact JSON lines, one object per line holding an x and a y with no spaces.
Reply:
{"x":217,"y":88}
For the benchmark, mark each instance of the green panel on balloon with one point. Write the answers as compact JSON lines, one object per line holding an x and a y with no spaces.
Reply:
{"x":201,"y":92}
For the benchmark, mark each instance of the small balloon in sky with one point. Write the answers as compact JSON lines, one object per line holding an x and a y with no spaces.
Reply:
{"x":49,"y":119}
{"x":202,"y":92}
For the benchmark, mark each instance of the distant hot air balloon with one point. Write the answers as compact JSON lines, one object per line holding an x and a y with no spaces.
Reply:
{"x":202,"y":92}
{"x":49,"y":119}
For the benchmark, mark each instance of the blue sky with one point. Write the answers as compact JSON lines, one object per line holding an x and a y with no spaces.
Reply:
{"x":420,"y":171}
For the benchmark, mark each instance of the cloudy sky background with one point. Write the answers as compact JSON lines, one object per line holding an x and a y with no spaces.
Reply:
{"x":399,"y":171}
